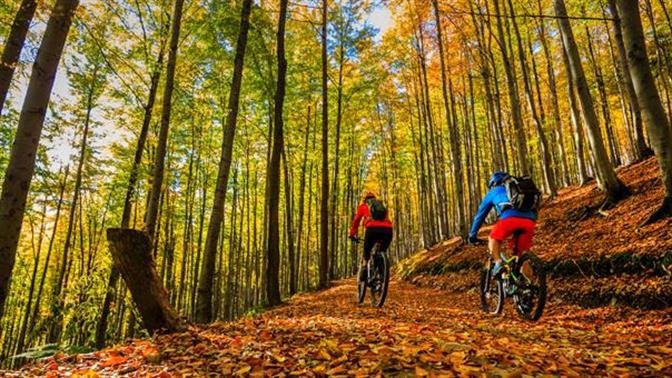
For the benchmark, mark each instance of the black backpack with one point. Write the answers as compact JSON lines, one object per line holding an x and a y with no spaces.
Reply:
{"x":377,"y":209}
{"x":523,"y":193}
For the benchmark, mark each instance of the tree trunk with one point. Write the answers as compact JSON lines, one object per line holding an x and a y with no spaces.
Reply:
{"x":132,"y":255}
{"x":289,"y":223}
{"x":334,"y":190}
{"x":455,"y":149}
{"x":204,"y":301}
{"x":13,"y":46}
{"x":302,"y":192}
{"x":649,"y":98}
{"x":21,"y":166}
{"x":324,"y":200}
{"x":162,"y":143}
{"x":273,"y":195}
{"x":606,"y":177}
{"x":641,"y":149}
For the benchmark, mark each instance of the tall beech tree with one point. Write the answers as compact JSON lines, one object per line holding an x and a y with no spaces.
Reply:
{"x":205,"y":283}
{"x":273,"y":243}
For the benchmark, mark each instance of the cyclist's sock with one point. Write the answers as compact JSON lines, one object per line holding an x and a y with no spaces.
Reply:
{"x":497,"y":268}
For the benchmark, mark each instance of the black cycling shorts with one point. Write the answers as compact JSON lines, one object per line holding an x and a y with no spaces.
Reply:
{"x":373,"y":235}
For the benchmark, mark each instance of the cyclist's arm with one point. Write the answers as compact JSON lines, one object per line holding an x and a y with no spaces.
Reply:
{"x":483,"y":210}
{"x":361,"y":213}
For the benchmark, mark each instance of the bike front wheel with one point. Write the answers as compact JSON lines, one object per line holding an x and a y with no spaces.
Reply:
{"x":380,"y":280}
{"x":530,"y":296}
{"x":492,"y":291}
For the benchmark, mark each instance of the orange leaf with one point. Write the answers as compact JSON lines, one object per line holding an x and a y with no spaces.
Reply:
{"x":113,"y":361}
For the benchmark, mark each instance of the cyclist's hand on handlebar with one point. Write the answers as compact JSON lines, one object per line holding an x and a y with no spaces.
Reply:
{"x":354,"y":238}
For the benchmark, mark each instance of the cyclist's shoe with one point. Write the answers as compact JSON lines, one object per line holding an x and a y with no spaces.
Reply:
{"x":497,"y":269}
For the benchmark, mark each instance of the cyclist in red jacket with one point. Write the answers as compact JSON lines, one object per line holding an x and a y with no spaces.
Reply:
{"x":376,"y":222}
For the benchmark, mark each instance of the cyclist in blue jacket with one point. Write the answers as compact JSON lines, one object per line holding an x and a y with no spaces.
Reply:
{"x":510,"y":220}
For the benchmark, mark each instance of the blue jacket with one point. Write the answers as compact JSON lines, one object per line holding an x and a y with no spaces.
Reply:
{"x":497,"y":198}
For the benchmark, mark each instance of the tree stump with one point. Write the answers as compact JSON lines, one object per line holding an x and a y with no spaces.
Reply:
{"x":132,"y":255}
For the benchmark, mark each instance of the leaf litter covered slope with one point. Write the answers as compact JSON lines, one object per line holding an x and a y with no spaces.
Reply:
{"x":420,"y":331}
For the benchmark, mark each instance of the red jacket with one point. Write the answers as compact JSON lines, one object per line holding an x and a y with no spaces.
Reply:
{"x":363,"y":212}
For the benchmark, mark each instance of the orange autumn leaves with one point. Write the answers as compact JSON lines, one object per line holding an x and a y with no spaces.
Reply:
{"x":420,"y":331}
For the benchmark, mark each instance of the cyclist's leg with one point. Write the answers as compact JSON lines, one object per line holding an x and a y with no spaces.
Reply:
{"x":525,"y":242}
{"x":498,"y":234}
{"x":370,"y":239}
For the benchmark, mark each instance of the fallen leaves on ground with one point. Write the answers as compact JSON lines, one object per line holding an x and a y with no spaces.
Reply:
{"x":420,"y":331}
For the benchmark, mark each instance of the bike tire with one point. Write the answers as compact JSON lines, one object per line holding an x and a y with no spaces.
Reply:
{"x":361,"y":285}
{"x":381,"y":267}
{"x":539,"y":291}
{"x":494,"y":292}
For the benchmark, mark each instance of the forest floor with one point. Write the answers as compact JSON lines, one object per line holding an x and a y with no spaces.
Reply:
{"x":420,"y":331}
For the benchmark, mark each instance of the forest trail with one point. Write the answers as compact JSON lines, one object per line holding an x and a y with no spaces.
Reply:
{"x":420,"y":331}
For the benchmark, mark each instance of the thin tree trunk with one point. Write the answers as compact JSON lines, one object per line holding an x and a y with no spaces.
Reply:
{"x":204,"y":301}
{"x":455,"y":149}
{"x":334,"y":190}
{"x":273,"y":195}
{"x":324,"y":200}
{"x":13,"y":46}
{"x":302,"y":192}
{"x":162,"y":143}
{"x":289,"y":224}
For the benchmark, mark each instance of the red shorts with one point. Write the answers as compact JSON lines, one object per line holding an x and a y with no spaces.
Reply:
{"x":504,"y":228}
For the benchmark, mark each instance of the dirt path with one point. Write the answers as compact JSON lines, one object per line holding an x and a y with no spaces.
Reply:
{"x":420,"y":331}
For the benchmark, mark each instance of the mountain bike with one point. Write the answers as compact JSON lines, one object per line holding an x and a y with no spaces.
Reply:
{"x":522,"y":277}
{"x":375,"y":275}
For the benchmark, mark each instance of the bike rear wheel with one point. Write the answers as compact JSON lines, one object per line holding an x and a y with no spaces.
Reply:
{"x":530,"y":295}
{"x":361,"y":283}
{"x":380,"y":279}
{"x":492,"y":291}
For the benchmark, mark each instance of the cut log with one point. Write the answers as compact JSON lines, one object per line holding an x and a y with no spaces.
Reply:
{"x":132,"y":256}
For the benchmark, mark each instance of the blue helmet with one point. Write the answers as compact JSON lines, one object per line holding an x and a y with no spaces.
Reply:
{"x":497,"y":178}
